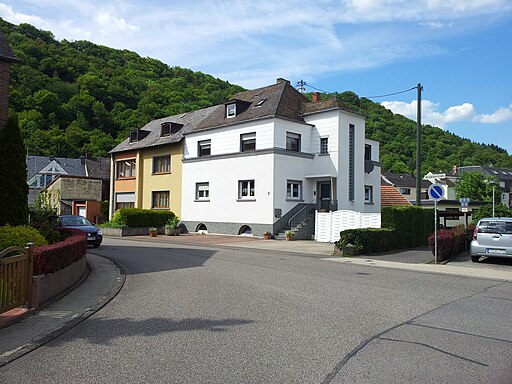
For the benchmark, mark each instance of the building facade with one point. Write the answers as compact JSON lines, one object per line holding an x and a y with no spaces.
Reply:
{"x":250,"y":165}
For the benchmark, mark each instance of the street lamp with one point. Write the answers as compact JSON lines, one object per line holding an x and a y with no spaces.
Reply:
{"x":493,"y":183}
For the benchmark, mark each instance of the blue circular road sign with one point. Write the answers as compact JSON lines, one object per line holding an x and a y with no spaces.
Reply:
{"x":436,"y":192}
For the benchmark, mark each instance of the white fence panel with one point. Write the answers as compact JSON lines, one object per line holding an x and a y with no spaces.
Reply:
{"x":328,"y":225}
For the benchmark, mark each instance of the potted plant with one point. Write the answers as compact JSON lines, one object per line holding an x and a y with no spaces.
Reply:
{"x":267,"y":235}
{"x":289,"y":235}
{"x":152,"y":231}
{"x":171,"y":227}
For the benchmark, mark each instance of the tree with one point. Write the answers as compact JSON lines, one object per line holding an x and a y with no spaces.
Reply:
{"x":13,"y":172}
{"x":477,"y":187}
{"x":500,"y":210}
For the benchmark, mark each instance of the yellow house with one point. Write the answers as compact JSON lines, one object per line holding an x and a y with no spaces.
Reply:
{"x":146,"y":168}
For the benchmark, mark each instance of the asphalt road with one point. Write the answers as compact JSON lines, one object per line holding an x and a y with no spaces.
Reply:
{"x":209,"y":315}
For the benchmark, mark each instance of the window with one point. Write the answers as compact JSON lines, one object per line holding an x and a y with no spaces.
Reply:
{"x":368,"y":194}
{"x":162,"y":164}
{"x":125,"y":168}
{"x":324,"y":145}
{"x":294,"y":190}
{"x":166,"y":129}
{"x":246,"y":189}
{"x":125,"y":200}
{"x":351,"y":161}
{"x":367,"y":152}
{"x":202,"y":191}
{"x":204,"y":148}
{"x":160,"y":199}
{"x":292,"y":141}
{"x":134,"y":136}
{"x":231,"y":110}
{"x":248,"y":142}
{"x":260,"y":103}
{"x":405,"y":191}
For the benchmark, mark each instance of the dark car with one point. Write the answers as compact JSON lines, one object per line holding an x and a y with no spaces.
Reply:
{"x":94,"y":235}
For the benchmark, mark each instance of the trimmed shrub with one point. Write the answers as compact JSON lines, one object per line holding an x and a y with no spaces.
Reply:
{"x":368,"y":240}
{"x":413,"y":225}
{"x":19,"y":236}
{"x":51,"y":258}
{"x":136,"y":217}
{"x":451,"y":242}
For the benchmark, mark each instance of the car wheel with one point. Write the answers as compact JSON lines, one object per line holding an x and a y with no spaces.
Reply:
{"x":475,"y":259}
{"x":96,"y":245}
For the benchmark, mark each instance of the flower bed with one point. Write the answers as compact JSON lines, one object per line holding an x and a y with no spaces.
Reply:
{"x":51,"y":258}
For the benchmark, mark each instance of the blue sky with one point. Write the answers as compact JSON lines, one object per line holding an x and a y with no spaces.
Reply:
{"x":460,"y":50}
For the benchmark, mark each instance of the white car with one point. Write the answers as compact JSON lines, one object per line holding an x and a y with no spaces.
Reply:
{"x":492,"y":238}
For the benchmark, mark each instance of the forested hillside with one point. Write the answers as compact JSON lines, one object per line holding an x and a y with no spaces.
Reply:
{"x":441,"y":150}
{"x":77,"y":97}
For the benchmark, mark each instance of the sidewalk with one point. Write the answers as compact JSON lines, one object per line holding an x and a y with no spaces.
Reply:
{"x":105,"y":281}
{"x":39,"y":327}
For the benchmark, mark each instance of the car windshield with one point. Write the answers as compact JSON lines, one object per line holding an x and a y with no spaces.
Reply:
{"x":74,"y":221}
{"x":503,"y":227}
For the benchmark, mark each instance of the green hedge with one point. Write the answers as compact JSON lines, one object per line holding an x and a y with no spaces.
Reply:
{"x":136,"y":217}
{"x":402,"y":227}
{"x":19,"y":236}
{"x":413,"y":225}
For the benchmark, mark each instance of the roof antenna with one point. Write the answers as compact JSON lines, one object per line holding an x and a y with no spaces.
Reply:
{"x":301,"y":86}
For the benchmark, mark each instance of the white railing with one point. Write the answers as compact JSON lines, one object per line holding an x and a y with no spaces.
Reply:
{"x":328,"y":225}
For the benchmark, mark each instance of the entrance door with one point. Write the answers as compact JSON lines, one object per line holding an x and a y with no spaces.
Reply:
{"x":81,"y":210}
{"x":324,"y":195}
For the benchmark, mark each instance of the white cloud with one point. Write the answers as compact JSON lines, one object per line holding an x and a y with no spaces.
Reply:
{"x":501,"y":115}
{"x":453,"y":114}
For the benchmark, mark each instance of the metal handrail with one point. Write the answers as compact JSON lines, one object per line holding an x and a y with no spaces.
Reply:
{"x":300,"y":212}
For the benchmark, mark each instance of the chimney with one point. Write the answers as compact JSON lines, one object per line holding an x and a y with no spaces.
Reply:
{"x":455,"y":169}
{"x":315,"y":97}
{"x":281,"y":80}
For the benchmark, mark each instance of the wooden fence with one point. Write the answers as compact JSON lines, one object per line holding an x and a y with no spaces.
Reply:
{"x":16,"y":264}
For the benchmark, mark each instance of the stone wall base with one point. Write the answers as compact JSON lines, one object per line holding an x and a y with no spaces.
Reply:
{"x":47,"y":287}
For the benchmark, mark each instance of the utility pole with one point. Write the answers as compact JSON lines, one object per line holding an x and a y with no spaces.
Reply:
{"x":418,"y":147}
{"x":301,"y":86}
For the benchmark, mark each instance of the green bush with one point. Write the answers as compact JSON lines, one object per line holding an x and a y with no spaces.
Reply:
{"x":19,"y":236}
{"x":368,"y":240}
{"x":402,"y":227}
{"x":500,"y":210}
{"x":136,"y":217}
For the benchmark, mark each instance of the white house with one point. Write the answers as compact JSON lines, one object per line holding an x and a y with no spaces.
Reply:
{"x":268,"y":156}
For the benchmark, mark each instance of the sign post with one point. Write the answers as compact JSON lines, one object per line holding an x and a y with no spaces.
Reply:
{"x":464,"y":203}
{"x":436,"y":193}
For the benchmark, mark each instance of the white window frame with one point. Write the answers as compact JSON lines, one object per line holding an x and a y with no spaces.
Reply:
{"x":293,"y":136}
{"x":231,"y":110}
{"x":405,"y":191}
{"x":246,"y":190}
{"x":324,"y":150}
{"x":368,"y":194}
{"x":293,"y":193}
{"x":204,"y":143}
{"x":203,"y":191}
{"x":246,"y":137}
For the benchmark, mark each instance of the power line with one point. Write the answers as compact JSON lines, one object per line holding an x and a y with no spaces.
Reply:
{"x":389,"y":94}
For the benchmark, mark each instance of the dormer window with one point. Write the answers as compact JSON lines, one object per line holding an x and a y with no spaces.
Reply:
{"x":166,"y":129}
{"x":231,"y":110}
{"x":138,"y":135}
{"x":169,"y":128}
{"x":134,"y":136}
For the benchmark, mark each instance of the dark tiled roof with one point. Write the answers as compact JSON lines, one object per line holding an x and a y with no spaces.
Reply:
{"x":404,"y":180}
{"x":276,"y":100}
{"x":72,"y":166}
{"x":98,"y":168}
{"x":389,"y":197}
{"x":188,"y":120}
{"x":6,"y":53}
{"x":281,"y":100}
